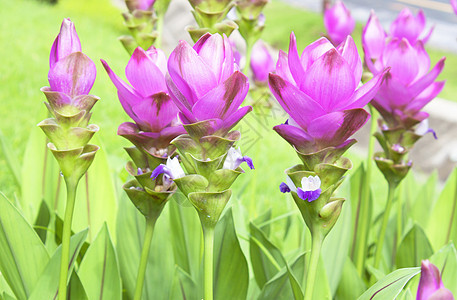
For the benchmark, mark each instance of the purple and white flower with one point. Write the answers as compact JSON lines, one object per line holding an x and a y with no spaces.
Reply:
{"x":234,"y":159}
{"x":310,"y":189}
{"x":172,"y":170}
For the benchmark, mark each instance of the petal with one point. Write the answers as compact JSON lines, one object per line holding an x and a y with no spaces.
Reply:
{"x":426,"y":96}
{"x":233,"y":119}
{"x":158,"y":111}
{"x":127,"y":95}
{"x":144,"y":75}
{"x":314,"y":51}
{"x":284,"y":188}
{"x":229,"y":65}
{"x":402,"y":58}
{"x":422,"y":83}
{"x":201,"y":41}
{"x":454,"y":6}
{"x":423,"y":61}
{"x":335,"y":128}
{"x":261,"y":62}
{"x":407,"y":26}
{"x":373,"y":38}
{"x":295,"y":136}
{"x":296,"y":68}
{"x":179,"y":99}
{"x":364,"y":94}
{"x":191,"y":75}
{"x":213,"y":54}
{"x":297,"y":104}
{"x":73,"y":75}
{"x":223,"y":100}
{"x":429,"y":282}
{"x":282,"y":67}
{"x":159,"y":59}
{"x":393,"y":93}
{"x":348,"y":51}
{"x":338,"y":22}
{"x":329,"y":80}
{"x":66,"y":42}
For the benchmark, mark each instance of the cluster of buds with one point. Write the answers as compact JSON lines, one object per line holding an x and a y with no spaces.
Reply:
{"x":141,"y":20}
{"x":154,"y":114}
{"x":408,"y":87}
{"x":210,"y":16}
{"x":338,"y":22}
{"x":321,"y":94}
{"x":208,"y":99}
{"x":251,"y":21}
{"x":71,"y":76}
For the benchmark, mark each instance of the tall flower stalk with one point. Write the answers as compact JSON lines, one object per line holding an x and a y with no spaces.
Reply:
{"x":408,"y":87}
{"x":71,"y":76}
{"x":154,"y":114}
{"x":207,"y":88}
{"x":320,"y":92}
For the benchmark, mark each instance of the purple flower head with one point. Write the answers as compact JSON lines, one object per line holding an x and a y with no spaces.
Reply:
{"x":146,"y":100}
{"x":205,"y":84}
{"x":409,"y":85}
{"x":139,"y":4}
{"x":454,"y":6}
{"x":310,"y":189}
{"x":408,"y":26}
{"x":234,"y":159}
{"x":430,"y":284}
{"x":320,"y":92}
{"x":71,"y":72}
{"x":338,"y":22}
{"x":262,"y":62}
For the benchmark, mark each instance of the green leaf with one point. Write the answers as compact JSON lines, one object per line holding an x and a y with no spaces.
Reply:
{"x":99,"y":270}
{"x":442,"y":226}
{"x":231,"y":267}
{"x":22,"y":255}
{"x":185,"y":234}
{"x":420,"y":203}
{"x":130,"y":231}
{"x":42,"y":221}
{"x":413,"y":248}
{"x":183,"y":286}
{"x":391,"y":285}
{"x":266,"y":259}
{"x":11,"y":159}
{"x":336,"y":246}
{"x":48,"y":283}
{"x":296,"y":289}
{"x":58,"y":227}
{"x":96,"y":201}
{"x":351,"y":285}
{"x":76,"y":290}
{"x":446,"y":261}
{"x":39,"y":176}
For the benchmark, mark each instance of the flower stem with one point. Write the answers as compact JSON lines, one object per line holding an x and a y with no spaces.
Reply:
{"x":158,"y":41}
{"x":385,"y":220}
{"x":311,"y":273}
{"x":364,"y":204}
{"x":208,"y":236}
{"x":66,"y":235}
{"x":150,"y":223}
{"x":399,"y":224}
{"x":249,"y":45}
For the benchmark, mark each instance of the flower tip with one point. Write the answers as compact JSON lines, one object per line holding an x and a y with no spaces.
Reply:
{"x":284,"y":188}
{"x":248,"y":161}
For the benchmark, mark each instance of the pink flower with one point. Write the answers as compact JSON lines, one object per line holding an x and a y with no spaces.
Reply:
{"x":430,"y":284}
{"x":338,"y":22}
{"x":262,"y":62}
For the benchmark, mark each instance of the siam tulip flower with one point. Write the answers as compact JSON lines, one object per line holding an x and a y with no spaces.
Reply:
{"x":146,"y":101}
{"x":430,"y":284}
{"x":262,"y":62}
{"x":338,"y":22}
{"x":310,"y":188}
{"x":206,"y":86}
{"x":409,"y":85}
{"x":411,"y":27}
{"x":454,"y":6}
{"x":320,"y":92}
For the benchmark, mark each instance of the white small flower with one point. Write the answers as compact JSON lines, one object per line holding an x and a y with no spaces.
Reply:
{"x":310,"y":183}
{"x":175,"y":168}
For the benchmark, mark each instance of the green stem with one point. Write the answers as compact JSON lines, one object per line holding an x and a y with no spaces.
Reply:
{"x":399,"y":225}
{"x":385,"y":220}
{"x":316,"y":246}
{"x":364,"y":215}
{"x":249,"y":45}
{"x":150,"y":223}
{"x":158,"y":41}
{"x":208,"y":236}
{"x":66,"y":235}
